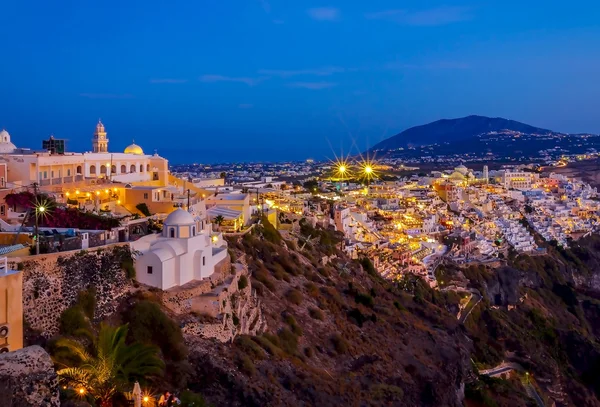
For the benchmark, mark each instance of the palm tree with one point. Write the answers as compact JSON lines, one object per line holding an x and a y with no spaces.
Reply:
{"x":110,"y":367}
{"x":219,"y":219}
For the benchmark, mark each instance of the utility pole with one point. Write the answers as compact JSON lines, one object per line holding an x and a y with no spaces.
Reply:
{"x":188,"y":192}
{"x":37,"y":232}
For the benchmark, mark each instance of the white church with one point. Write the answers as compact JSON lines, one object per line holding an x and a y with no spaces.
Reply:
{"x":187,"y":250}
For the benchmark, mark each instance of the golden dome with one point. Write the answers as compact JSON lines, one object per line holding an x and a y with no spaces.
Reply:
{"x":134,"y":149}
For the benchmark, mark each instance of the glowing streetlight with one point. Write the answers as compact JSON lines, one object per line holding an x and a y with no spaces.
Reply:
{"x":77,"y":191}
{"x":146,"y":399}
{"x":40,"y":209}
{"x":81,"y":391}
{"x":368,"y":170}
{"x":342,"y":169}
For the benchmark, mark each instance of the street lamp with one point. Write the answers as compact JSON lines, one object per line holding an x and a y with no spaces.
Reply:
{"x":40,"y":209}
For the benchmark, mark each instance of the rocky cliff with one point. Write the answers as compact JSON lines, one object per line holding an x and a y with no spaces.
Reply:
{"x":28,"y":379}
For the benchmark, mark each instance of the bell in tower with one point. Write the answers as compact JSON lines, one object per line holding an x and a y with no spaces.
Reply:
{"x":100,"y":142}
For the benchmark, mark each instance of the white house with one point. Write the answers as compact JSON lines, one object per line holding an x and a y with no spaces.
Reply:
{"x":182,"y":253}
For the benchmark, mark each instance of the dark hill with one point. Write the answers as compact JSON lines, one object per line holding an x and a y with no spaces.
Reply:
{"x":452,"y":130}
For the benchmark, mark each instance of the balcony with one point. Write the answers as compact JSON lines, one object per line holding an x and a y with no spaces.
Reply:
{"x":78,"y":178}
{"x":56,"y":181}
{"x":68,"y":179}
{"x":45,"y":182}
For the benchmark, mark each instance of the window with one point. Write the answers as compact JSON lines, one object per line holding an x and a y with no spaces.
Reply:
{"x":51,"y":174}
{"x":193,"y":230}
{"x":2,"y":182}
{"x":145,"y":195}
{"x":79,"y":169}
{"x":203,"y":261}
{"x":141,"y":168}
{"x":113,"y":169}
{"x":164,"y":194}
{"x":103,"y":169}
{"x":132,"y":168}
{"x":123,"y":169}
{"x":68,"y":172}
{"x":148,"y":167}
{"x":45,"y":174}
{"x":2,"y":210}
{"x":149,"y":269}
{"x":172,"y":232}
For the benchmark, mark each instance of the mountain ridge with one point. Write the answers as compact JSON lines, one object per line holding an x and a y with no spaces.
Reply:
{"x":453,"y":130}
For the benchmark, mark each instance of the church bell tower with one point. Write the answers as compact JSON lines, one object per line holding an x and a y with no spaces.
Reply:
{"x":100,"y":142}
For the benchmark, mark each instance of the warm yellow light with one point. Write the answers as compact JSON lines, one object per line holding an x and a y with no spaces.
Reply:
{"x":115,"y":189}
{"x":97,"y":192}
{"x":67,"y":194}
{"x":87,"y":194}
{"x":146,"y":399}
{"x":118,"y":202}
{"x":342,"y":169}
{"x":41,"y":209}
{"x":77,"y":192}
{"x":82,"y":391}
{"x":108,"y":164}
{"x":215,"y":238}
{"x":368,"y":169}
{"x":106,"y":191}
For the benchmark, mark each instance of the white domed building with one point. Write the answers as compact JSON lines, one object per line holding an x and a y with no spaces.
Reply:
{"x":181,"y":254}
{"x":6,"y":147}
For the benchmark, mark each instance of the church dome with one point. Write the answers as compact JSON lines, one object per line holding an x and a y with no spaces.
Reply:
{"x":134,"y":149}
{"x":462,"y":169}
{"x":6,"y":146}
{"x":179,"y":217}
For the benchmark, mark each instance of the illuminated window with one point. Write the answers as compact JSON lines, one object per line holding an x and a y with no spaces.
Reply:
{"x":149,"y":269}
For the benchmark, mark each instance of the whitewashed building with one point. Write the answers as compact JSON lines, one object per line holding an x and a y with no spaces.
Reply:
{"x":182,"y":253}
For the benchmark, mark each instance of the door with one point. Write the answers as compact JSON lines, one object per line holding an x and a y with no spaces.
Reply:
{"x":85,"y":241}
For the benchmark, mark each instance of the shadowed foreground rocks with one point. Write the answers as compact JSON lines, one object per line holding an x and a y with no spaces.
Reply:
{"x":28,"y":379}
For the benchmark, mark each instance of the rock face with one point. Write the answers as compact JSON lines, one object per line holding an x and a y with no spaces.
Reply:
{"x":28,"y":379}
{"x":51,"y":283}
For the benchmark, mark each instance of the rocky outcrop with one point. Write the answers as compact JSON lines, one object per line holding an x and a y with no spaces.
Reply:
{"x":51,"y":283}
{"x":28,"y":379}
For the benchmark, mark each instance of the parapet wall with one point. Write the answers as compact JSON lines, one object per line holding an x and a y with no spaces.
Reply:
{"x":52,"y":282}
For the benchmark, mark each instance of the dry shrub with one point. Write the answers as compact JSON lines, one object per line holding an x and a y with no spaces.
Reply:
{"x":316,"y":313}
{"x":294,"y":296}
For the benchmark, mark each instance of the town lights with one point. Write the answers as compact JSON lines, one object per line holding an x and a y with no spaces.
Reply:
{"x":77,"y":192}
{"x":81,"y":391}
{"x":342,"y":169}
{"x":368,"y":170}
{"x":146,"y":399}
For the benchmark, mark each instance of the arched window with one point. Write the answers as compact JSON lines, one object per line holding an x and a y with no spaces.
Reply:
{"x":113,"y":169}
{"x":141,"y":167}
{"x":103,"y":169}
{"x":147,"y":167}
{"x":172,"y":232}
{"x":132,"y":168}
{"x":123,"y":169}
{"x":92,"y":169}
{"x":193,"y":230}
{"x":79,"y":169}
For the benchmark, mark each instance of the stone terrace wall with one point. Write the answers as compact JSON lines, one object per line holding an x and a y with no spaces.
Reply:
{"x":52,"y":282}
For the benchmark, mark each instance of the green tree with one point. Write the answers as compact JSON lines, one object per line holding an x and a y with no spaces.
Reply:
{"x":218,"y":220}
{"x":109,"y":366}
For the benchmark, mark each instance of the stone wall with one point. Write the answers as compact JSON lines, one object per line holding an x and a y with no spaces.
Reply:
{"x":28,"y":379}
{"x":52,"y":282}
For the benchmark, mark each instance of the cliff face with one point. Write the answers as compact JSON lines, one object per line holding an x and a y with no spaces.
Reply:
{"x":28,"y":379}
{"x":336,"y":335}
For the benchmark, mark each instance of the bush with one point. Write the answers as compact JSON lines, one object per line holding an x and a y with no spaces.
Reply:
{"x":20,"y":266}
{"x":143,"y":208}
{"x":190,"y":399}
{"x":73,"y":321}
{"x":312,"y":290}
{"x":246,"y":365}
{"x":270,"y":347}
{"x":127,"y":265}
{"x":242,"y":282}
{"x":288,"y":340}
{"x":316,"y":313}
{"x":249,"y":347}
{"x":291,"y":321}
{"x":339,"y":344}
{"x":87,"y":300}
{"x":294,"y":296}
{"x":309,"y":352}
{"x":364,"y":299}
{"x":269,"y":232}
{"x":367,"y":266}
{"x":149,"y":324}
{"x":262,"y":276}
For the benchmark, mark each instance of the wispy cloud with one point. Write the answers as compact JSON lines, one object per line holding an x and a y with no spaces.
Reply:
{"x":168,"y":80}
{"x":222,"y":78}
{"x":324,"y":13}
{"x":431,"y":17}
{"x":325,"y":71}
{"x":245,"y":105}
{"x":312,"y":85}
{"x":106,"y":95}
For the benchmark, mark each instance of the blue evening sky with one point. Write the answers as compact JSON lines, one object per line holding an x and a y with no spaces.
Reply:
{"x":225,"y":80}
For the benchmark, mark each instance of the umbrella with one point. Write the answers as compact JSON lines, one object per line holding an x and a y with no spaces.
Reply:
{"x":137,"y":395}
